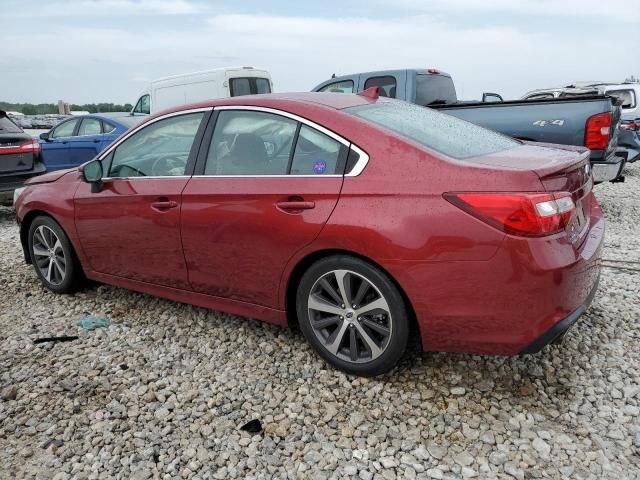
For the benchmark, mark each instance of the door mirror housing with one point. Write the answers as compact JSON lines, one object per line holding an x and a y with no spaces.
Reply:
{"x":44,"y":136}
{"x":92,"y":173}
{"x":489,"y":97}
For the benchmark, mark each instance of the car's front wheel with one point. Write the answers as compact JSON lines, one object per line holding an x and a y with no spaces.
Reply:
{"x":52,"y":256}
{"x":353,"y":315}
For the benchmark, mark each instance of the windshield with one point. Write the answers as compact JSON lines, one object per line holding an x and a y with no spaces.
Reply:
{"x":434,"y":89}
{"x":7,"y":126}
{"x":443,"y":133}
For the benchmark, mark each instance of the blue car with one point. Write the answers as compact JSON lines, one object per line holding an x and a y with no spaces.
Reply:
{"x":77,"y":140}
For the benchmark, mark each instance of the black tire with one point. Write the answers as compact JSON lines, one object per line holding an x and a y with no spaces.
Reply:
{"x":67,"y":282}
{"x":391,"y":346}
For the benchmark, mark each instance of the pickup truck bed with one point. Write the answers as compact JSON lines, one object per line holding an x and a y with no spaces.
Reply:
{"x":560,"y":120}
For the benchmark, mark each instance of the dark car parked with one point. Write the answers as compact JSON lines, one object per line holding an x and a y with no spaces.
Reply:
{"x":19,"y":157}
{"x":77,"y":140}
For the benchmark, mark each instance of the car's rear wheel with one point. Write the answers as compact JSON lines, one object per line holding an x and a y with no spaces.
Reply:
{"x":52,"y":256}
{"x":353,"y":315}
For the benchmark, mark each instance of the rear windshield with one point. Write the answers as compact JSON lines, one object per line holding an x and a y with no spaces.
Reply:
{"x":249,"y":86}
{"x":7,"y":126}
{"x":434,"y":89}
{"x":443,"y":133}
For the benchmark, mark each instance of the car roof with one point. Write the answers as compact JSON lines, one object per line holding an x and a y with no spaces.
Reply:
{"x":334,"y":101}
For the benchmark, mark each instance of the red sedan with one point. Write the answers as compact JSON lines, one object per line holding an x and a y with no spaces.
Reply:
{"x":363,"y":220}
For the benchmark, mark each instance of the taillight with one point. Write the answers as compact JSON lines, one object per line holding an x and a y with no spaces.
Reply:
{"x":30,"y":146}
{"x":630,"y":126}
{"x":597,"y":130}
{"x":526,"y":214}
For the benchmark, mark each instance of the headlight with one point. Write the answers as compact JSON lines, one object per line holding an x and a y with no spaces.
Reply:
{"x":16,"y":193}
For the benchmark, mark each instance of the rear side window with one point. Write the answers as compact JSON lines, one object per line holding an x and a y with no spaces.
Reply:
{"x":345,"y":86}
{"x":386,"y":84}
{"x":250,"y":143}
{"x":443,"y":133}
{"x":316,"y":153}
{"x":249,"y":86}
{"x":434,"y":89}
{"x":89,"y":126}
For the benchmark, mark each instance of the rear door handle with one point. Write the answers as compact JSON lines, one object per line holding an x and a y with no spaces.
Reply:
{"x":164,"y":205}
{"x":295,"y":205}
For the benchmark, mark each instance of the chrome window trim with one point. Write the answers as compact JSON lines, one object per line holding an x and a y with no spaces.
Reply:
{"x":355,"y":171}
{"x":139,"y":127}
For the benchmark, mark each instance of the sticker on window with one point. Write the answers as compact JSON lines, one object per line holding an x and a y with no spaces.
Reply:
{"x":319,"y":166}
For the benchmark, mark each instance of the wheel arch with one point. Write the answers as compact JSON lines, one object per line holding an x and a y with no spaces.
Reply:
{"x":304,"y":263}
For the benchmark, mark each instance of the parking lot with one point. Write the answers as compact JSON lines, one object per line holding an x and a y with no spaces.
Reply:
{"x":163,"y":391}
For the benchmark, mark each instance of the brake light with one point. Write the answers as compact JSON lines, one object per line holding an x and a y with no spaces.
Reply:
{"x":597,"y":130}
{"x":524,"y":214}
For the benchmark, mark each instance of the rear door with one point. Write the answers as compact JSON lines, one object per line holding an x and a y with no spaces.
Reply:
{"x":264,"y":187}
{"x":86,"y":144}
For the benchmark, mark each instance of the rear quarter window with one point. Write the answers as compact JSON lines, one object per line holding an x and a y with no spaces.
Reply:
{"x":443,"y":133}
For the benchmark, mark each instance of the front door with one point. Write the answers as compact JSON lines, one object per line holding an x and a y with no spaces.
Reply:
{"x":55,"y":150}
{"x":131,"y":228}
{"x":263,"y":191}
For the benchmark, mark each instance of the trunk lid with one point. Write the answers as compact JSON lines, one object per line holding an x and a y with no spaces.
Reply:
{"x":11,"y":159}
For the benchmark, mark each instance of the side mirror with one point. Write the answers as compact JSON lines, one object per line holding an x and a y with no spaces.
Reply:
{"x":92,"y":173}
{"x":44,"y":136}
{"x":492,"y":97}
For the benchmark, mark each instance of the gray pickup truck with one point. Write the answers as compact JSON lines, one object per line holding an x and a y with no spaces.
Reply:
{"x":591,"y":121}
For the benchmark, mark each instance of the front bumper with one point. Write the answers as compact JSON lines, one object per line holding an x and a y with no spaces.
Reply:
{"x":557,"y":331}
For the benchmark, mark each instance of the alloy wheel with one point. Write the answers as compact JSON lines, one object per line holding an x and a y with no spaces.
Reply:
{"x":350,"y":316}
{"x":49,"y":255}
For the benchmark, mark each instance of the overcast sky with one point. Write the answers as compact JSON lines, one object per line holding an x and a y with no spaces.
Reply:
{"x":108,"y":50}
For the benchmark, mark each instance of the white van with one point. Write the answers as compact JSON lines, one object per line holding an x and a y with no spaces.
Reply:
{"x":195,"y":87}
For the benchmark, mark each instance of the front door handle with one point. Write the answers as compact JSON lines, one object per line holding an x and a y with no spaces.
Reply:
{"x":296,"y":205}
{"x":164,"y":205}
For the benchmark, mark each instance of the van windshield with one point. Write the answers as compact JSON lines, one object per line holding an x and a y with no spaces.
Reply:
{"x":446,"y":134}
{"x":249,"y":86}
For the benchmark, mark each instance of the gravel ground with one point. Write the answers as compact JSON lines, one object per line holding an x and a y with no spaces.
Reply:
{"x":163,"y":391}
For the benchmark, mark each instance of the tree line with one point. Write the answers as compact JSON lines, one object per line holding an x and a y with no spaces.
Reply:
{"x":47,"y":108}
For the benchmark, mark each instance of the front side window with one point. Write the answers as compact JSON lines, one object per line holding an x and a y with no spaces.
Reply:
{"x":316,"y":154}
{"x":89,"y":126}
{"x":143,"y":105}
{"x":386,"y":85}
{"x":64,"y":129}
{"x":250,"y":143}
{"x":160,"y":149}
{"x":345,"y":86}
{"x":443,"y":133}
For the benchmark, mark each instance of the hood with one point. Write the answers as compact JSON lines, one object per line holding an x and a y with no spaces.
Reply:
{"x":49,"y":177}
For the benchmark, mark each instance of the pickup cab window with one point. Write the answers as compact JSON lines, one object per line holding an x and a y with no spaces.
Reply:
{"x":386,"y":85}
{"x":344,"y":86}
{"x":434,"y":130}
{"x":434,"y":89}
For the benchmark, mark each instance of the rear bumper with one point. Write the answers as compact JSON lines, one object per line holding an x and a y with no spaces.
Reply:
{"x":557,"y":331}
{"x":609,"y":170}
